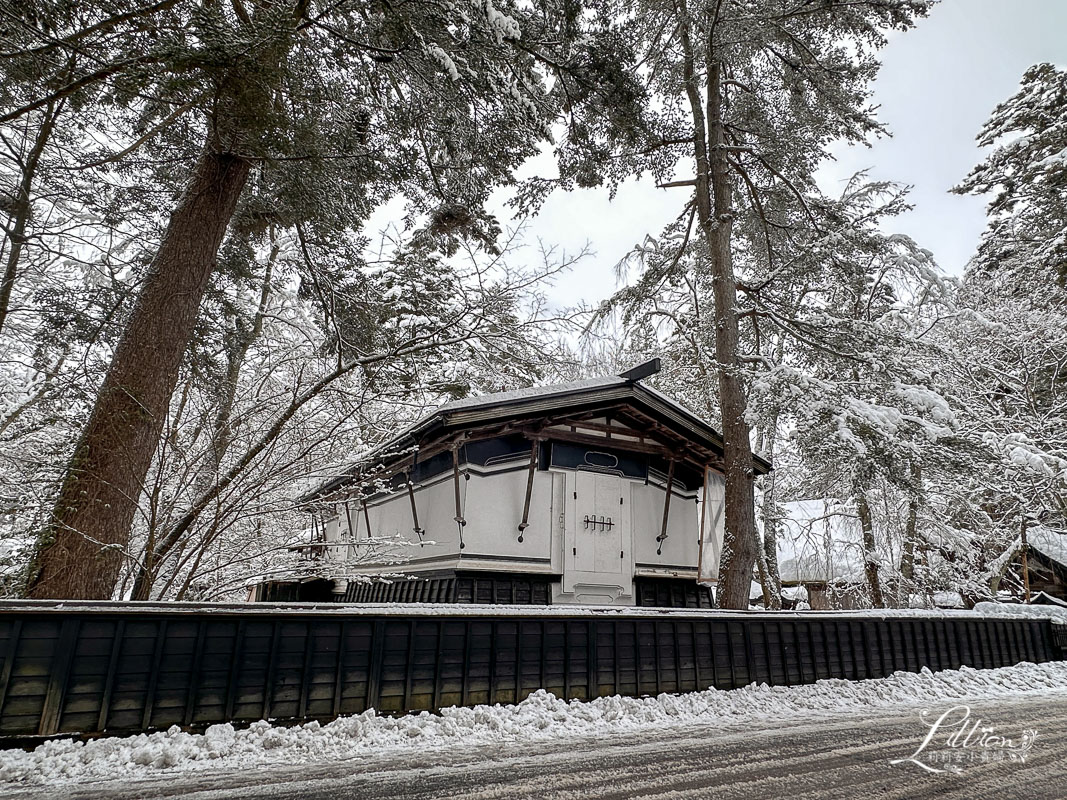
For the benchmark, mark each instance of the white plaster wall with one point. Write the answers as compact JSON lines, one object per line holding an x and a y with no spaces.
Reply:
{"x":683,"y":527}
{"x":494,"y":510}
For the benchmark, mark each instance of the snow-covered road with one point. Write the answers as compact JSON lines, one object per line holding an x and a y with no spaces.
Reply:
{"x":835,"y":736}
{"x":829,"y":758}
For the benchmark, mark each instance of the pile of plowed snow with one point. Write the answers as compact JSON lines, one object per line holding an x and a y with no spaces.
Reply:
{"x":539,"y":717}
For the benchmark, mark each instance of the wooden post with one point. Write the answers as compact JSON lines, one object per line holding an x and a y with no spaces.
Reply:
{"x":529,"y":488}
{"x":366,"y":517}
{"x":666,"y":508}
{"x":414,"y":510}
{"x":460,"y":521}
{"x":351,"y":526}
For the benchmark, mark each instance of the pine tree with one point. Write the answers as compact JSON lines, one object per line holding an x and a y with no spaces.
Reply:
{"x":751,"y":95}
{"x":266,"y":111}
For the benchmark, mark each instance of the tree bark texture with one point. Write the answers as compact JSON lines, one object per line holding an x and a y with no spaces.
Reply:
{"x":221,"y":438}
{"x":911,"y":535}
{"x":714,"y":198}
{"x":716,"y":217}
{"x":770,"y":520}
{"x":80,"y":554}
{"x":870,"y":551}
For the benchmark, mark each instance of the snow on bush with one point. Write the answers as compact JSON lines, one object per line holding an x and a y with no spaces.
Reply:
{"x":540,"y":716}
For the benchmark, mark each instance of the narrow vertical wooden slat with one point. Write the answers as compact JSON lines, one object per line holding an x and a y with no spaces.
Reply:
{"x":962,"y":643}
{"x":592,"y":687}
{"x":677,"y":657}
{"x":233,"y":680}
{"x":843,"y":657}
{"x":855,"y":648}
{"x":868,"y":651}
{"x":57,"y":683}
{"x":615,"y":655}
{"x":1028,"y":641}
{"x":635,"y":651}
{"x":409,"y":666}
{"x":494,"y":643}
{"x":730,"y":653}
{"x":696,"y":657}
{"x":566,"y":661}
{"x":466,"y":689}
{"x":985,"y":646}
{"x":747,"y":639}
{"x":922,"y":657}
{"x":153,"y":676}
{"x":717,"y":678}
{"x":272,"y":668}
{"x":785,"y":653}
{"x":659,"y":658}
{"x":109,"y":678}
{"x":439,"y":664}
{"x":305,"y":673}
{"x":544,"y":652}
{"x":828,"y":626}
{"x":339,"y":663}
{"x":9,"y":660}
{"x":519,"y":632}
{"x":374,"y":665}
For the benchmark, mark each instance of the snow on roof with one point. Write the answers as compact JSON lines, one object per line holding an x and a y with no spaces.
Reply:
{"x":693,"y":421}
{"x":1048,"y":542}
{"x":548,"y":390}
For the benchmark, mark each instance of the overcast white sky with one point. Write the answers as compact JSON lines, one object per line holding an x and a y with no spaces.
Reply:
{"x":938,"y":84}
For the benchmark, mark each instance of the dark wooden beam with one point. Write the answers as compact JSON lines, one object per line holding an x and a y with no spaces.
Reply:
{"x":666,"y":509}
{"x":366,"y":517}
{"x":414,"y":510}
{"x":534,"y":444}
{"x":460,"y":522}
{"x":351,"y":527}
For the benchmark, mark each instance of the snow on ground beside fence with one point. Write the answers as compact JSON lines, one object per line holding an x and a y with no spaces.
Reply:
{"x":1054,"y":613}
{"x":541,"y":716}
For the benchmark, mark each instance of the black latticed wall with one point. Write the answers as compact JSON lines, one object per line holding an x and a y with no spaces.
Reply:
{"x":88,"y":668}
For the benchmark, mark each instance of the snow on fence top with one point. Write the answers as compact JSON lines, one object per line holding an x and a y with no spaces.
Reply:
{"x":981,"y":611}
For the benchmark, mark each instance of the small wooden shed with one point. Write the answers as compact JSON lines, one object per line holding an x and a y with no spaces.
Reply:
{"x":601,"y":491}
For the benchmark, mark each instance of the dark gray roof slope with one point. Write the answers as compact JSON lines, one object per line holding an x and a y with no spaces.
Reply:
{"x":535,"y":400}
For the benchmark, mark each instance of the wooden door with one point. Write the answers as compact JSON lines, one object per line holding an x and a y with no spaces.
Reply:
{"x":598,"y":532}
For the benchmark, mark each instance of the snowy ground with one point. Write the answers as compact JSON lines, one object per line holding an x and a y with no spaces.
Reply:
{"x":833,"y":758}
{"x":176,"y":756}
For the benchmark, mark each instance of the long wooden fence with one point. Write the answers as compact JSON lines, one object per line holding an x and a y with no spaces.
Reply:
{"x":111,"y":667}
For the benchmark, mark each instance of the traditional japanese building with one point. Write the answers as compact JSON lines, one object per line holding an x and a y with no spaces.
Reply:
{"x":601,"y":491}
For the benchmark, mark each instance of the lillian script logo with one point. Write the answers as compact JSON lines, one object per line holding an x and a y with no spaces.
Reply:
{"x":957,"y":739}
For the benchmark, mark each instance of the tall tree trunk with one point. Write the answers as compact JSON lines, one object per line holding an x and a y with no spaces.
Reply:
{"x":714,"y":203}
{"x":80,"y":554}
{"x":870,"y":551}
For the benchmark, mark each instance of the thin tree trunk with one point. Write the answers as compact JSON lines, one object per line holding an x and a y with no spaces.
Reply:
{"x":770,"y":519}
{"x":222,"y":435}
{"x":911,"y":535}
{"x":764,"y":580}
{"x":80,"y":554}
{"x":870,"y":554}
{"x":24,"y":208}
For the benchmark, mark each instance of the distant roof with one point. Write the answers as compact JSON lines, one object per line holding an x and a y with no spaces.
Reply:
{"x":536,"y":400}
{"x":1050,"y":543}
